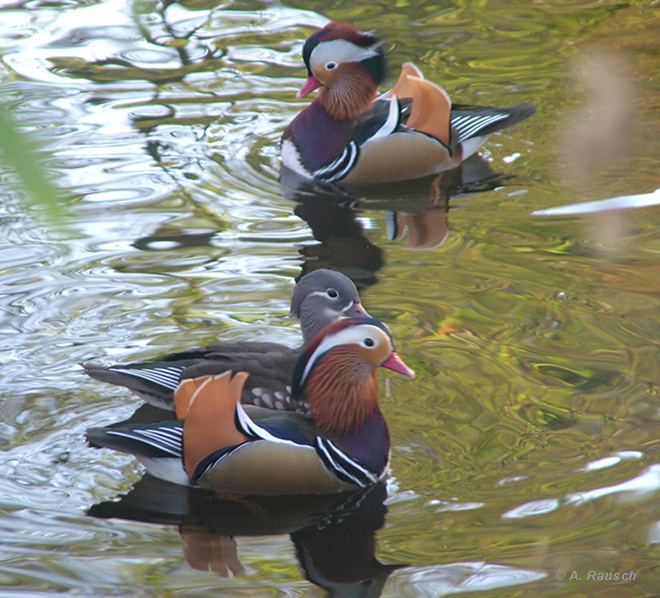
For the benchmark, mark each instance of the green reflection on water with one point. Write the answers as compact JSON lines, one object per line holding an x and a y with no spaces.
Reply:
{"x":534,"y":339}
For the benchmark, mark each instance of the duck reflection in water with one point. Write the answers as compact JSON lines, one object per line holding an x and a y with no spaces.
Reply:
{"x":334,"y":535}
{"x":417,"y":209}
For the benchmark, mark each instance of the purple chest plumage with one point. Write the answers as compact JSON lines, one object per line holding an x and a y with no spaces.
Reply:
{"x":318,"y":138}
{"x":370,"y":445}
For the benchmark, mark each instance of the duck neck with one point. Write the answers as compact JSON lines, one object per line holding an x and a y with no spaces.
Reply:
{"x":342,"y":392}
{"x":312,"y":322}
{"x":349,"y":97}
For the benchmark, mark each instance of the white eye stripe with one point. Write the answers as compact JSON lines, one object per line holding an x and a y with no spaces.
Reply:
{"x":326,"y":294}
{"x":338,"y":51}
{"x":353,"y":335}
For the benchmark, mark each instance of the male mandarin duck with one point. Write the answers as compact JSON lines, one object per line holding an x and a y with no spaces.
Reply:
{"x":320,"y":298}
{"x":349,"y":135}
{"x":217,"y":443}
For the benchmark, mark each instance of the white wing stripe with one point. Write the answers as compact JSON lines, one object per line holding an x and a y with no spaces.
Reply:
{"x":369,"y":475}
{"x":469,"y":125}
{"x":392,"y":122}
{"x":249,"y":428}
{"x":167,"y":376}
{"x":339,"y":167}
{"x":334,"y":465}
{"x":168,"y":440}
{"x":343,"y":463}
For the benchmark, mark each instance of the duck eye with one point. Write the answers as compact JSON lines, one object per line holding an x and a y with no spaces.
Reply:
{"x":369,"y":342}
{"x":332,"y":294}
{"x":330,"y":65}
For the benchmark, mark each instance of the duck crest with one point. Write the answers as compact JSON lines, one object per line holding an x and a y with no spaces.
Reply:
{"x":353,"y":85}
{"x":337,"y":30}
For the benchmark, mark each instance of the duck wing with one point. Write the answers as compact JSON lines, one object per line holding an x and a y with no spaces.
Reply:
{"x":270,"y":366}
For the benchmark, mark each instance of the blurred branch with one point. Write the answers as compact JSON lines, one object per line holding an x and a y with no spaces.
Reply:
{"x":22,"y":156}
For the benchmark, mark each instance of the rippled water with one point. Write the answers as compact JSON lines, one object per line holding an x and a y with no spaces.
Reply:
{"x":526,"y":447}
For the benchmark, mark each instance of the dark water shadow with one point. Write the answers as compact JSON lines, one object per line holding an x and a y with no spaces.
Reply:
{"x":417,"y":210}
{"x":334,"y":535}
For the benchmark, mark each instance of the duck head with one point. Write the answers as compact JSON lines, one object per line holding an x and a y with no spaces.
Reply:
{"x":323,"y":297}
{"x":336,"y":374}
{"x":347,"y":64}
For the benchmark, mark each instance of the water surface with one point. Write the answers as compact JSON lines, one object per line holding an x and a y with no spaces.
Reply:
{"x":526,"y":447}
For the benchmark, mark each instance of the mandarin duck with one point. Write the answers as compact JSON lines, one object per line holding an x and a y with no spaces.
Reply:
{"x":320,"y":298}
{"x":349,"y":135}
{"x":342,"y":444}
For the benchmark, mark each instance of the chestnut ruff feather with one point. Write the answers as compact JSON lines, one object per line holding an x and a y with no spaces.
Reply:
{"x":351,"y":92}
{"x":342,"y":391}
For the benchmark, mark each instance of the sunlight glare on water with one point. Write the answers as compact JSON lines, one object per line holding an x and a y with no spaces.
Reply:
{"x":526,"y":446}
